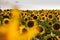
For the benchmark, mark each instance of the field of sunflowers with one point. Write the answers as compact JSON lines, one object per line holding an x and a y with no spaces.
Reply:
{"x":18,"y":24}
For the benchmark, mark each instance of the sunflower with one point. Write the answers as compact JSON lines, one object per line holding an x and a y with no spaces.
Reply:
{"x":6,"y":21}
{"x":50,"y":23}
{"x":40,"y":29}
{"x":56,"y":27}
{"x":31,"y":23}
{"x":50,"y":16}
{"x":23,"y":29}
{"x":43,"y":18}
{"x":55,"y":12}
{"x":35,"y":17}
{"x":58,"y":17}
{"x":28,"y":18}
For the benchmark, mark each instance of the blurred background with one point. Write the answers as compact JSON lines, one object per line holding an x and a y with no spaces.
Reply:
{"x":30,"y":4}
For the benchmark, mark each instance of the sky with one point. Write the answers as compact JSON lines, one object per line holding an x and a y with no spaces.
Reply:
{"x":30,"y":4}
